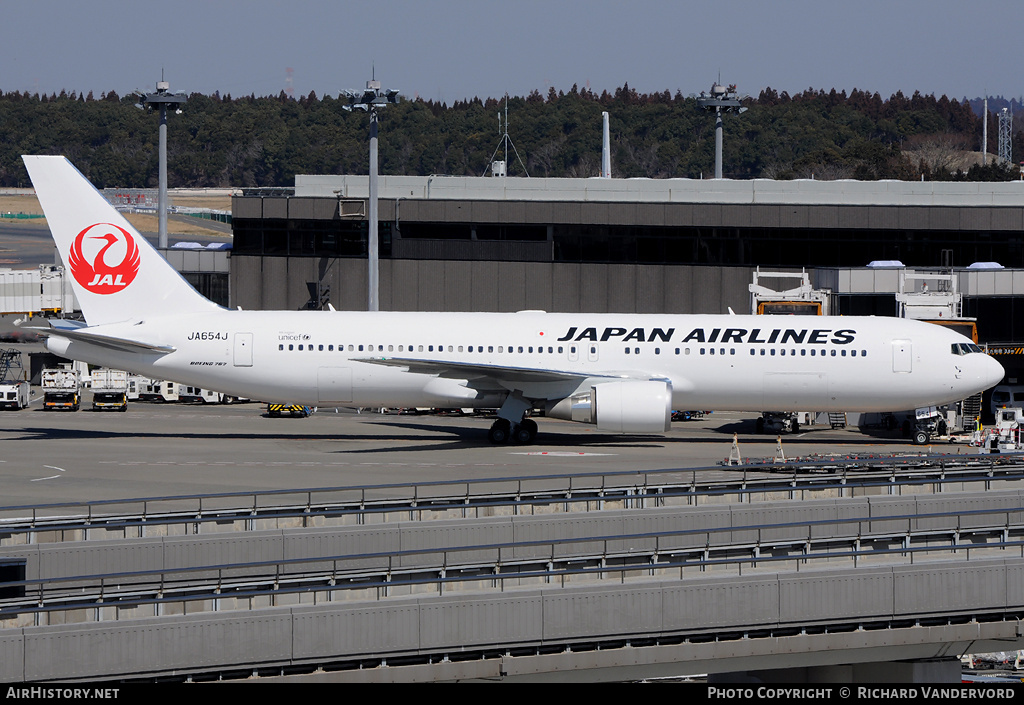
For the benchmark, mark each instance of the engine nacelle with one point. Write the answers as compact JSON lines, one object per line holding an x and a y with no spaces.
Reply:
{"x":629,"y":406}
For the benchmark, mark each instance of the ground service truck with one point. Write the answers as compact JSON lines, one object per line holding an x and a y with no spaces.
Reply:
{"x":109,"y":390}
{"x":62,"y":389}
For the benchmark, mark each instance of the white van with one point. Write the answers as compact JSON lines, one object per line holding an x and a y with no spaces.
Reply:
{"x":1007,"y":395}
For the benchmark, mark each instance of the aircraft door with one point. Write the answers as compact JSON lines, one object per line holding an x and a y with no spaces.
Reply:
{"x":243,"y":349}
{"x":334,"y":384}
{"x":592,"y":352}
{"x":902,"y":356}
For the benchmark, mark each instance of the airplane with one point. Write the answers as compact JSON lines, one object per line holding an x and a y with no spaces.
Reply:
{"x":622,"y":372}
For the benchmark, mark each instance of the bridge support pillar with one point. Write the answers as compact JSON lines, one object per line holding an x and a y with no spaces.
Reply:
{"x":938,"y":670}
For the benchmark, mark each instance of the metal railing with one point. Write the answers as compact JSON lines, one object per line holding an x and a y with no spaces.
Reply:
{"x":617,"y":557}
{"x":584,"y":491}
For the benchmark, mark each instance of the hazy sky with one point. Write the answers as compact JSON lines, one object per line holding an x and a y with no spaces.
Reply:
{"x":452,"y":49}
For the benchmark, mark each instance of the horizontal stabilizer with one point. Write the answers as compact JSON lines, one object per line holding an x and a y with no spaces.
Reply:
{"x":83,"y":335}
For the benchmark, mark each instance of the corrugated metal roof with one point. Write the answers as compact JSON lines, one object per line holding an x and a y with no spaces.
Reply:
{"x":759,"y":191}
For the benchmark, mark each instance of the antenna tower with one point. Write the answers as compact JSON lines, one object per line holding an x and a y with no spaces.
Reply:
{"x":1005,"y":144}
{"x":499,"y":168}
{"x":289,"y":88}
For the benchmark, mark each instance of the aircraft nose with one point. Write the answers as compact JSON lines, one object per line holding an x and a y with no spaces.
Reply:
{"x":990,"y":372}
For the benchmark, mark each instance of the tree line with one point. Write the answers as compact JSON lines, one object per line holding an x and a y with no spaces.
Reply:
{"x":221,"y":141}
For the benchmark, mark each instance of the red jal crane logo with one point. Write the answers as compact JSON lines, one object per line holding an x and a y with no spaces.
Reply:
{"x":104,"y":268}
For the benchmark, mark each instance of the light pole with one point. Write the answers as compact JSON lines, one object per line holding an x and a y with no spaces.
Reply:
{"x":370,"y":100}
{"x":164,"y":100}
{"x":721,"y":100}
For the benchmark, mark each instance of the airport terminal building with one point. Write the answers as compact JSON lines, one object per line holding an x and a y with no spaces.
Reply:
{"x":629,"y":245}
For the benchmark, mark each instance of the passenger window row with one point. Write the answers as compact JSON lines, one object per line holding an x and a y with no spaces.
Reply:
{"x":782,"y":352}
{"x":540,"y":349}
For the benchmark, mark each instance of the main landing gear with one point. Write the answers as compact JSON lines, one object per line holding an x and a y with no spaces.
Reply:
{"x":512,"y":424}
{"x":503,"y":431}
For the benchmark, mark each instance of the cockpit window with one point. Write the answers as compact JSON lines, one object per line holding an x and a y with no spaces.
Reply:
{"x":965,"y":348}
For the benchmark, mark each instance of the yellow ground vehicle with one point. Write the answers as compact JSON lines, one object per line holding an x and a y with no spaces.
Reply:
{"x":290,"y":409}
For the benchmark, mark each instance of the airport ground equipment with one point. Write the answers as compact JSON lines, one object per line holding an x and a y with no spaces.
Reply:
{"x":136,"y":383}
{"x":929,"y":422}
{"x":109,"y":390}
{"x":10,"y":364}
{"x":946,"y":422}
{"x":688,"y":415}
{"x":14,"y":392}
{"x":62,"y":389}
{"x":158,"y":390}
{"x":299,"y":410}
{"x":784,"y":421}
{"x":197,"y":395}
{"x":1005,"y":436}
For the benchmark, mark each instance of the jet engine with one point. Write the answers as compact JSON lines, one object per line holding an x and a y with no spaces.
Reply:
{"x":629,"y":406}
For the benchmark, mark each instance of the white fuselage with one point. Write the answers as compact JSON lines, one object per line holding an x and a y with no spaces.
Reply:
{"x":742,"y":363}
{"x":621,"y":372}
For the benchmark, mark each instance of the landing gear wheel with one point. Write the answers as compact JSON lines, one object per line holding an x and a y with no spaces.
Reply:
{"x":525,"y":432}
{"x":920,"y":438}
{"x":499,"y":432}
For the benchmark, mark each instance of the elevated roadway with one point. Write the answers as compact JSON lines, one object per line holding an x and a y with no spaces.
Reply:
{"x":590,"y":557}
{"x":672,"y":585}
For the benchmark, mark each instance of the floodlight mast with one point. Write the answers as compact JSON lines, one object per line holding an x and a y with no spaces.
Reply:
{"x":370,"y":101}
{"x":163,"y":100}
{"x":721,"y":100}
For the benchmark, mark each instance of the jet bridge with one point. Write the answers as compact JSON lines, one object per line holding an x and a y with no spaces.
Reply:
{"x":45,"y":290}
{"x":934,"y":297}
{"x":804,"y":299}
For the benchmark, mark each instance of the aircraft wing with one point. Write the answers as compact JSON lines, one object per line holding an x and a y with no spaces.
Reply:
{"x":473,"y":371}
{"x":83,"y":335}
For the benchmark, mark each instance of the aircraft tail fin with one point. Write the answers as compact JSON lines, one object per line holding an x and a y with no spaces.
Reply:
{"x":116,"y":274}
